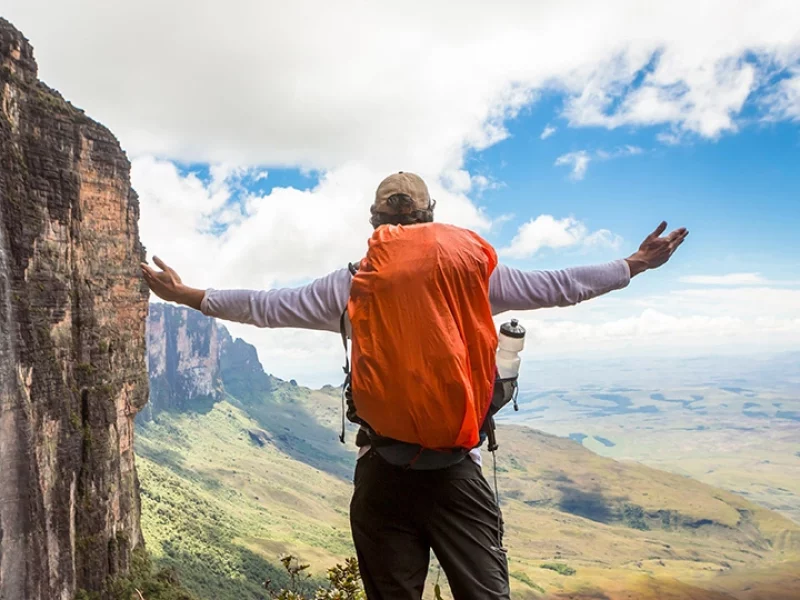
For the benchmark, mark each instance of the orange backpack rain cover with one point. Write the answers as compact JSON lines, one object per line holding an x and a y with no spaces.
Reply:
{"x":423,"y":338}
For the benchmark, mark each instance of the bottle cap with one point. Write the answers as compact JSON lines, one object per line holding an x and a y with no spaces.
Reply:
{"x":513,"y":329}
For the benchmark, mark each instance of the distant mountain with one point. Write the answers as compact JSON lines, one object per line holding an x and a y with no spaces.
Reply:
{"x":227,"y":489}
{"x":183,"y":349}
{"x":194,"y":362}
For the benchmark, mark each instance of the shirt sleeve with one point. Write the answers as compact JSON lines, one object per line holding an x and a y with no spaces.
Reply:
{"x":513,"y":289}
{"x":318,"y":305}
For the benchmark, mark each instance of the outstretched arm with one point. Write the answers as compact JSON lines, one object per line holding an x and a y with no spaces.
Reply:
{"x":317,"y":305}
{"x":513,"y":289}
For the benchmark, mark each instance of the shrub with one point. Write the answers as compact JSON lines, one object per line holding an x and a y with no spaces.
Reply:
{"x":559,"y":568}
{"x":344,"y":582}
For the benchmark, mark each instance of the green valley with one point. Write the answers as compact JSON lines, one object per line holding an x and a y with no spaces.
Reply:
{"x":257,"y":471}
{"x":731,"y":422}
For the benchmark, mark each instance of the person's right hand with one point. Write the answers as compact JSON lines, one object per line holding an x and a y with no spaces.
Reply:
{"x":656,"y":250}
{"x":166,"y":284}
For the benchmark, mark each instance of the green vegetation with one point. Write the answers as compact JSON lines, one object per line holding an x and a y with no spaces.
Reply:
{"x":344,"y":582}
{"x":633,"y":516}
{"x":523,"y":577}
{"x":142,"y":582}
{"x":220,"y":510}
{"x":195,"y":536}
{"x":85,"y":370}
{"x":229,"y":491}
{"x":53,"y":101}
{"x":559,"y":568}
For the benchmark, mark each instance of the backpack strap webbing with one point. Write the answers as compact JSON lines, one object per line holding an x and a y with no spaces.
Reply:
{"x":353,"y":268}
{"x":346,"y":369}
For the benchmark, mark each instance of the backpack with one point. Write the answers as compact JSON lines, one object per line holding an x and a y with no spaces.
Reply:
{"x":422,"y":379}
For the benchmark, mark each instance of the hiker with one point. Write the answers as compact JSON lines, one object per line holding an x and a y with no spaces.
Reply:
{"x":399,"y":512}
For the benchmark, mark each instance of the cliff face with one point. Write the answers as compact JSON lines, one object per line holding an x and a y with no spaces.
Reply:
{"x":72,"y":341}
{"x":241,"y":371}
{"x":193,"y":361}
{"x":183,"y":360}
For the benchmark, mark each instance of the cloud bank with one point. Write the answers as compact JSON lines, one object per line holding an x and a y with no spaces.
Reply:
{"x":350,"y":91}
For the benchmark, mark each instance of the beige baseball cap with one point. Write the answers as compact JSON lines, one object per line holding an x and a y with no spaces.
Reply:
{"x":402,"y":183}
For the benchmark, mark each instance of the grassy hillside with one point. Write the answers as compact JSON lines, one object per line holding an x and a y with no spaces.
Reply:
{"x":731,"y":422}
{"x":629,"y":529}
{"x":222,"y":508}
{"x":224,"y":494}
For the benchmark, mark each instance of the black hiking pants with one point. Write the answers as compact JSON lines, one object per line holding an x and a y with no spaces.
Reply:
{"x":397,"y":516}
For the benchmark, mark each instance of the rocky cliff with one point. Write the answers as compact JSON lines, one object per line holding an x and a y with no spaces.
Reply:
{"x":193,"y":361}
{"x":183,"y":349}
{"x":72,"y":342}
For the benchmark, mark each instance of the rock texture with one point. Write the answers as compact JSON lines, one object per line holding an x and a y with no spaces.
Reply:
{"x":183,"y":349}
{"x":241,"y":371}
{"x":72,"y":342}
{"x":193,"y":361}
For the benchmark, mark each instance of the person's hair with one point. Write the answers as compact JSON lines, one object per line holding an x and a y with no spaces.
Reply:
{"x":401,"y":203}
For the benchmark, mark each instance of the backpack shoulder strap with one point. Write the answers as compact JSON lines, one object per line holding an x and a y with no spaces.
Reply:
{"x":353,"y":268}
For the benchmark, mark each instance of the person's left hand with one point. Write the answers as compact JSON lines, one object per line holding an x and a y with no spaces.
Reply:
{"x":655,"y":250}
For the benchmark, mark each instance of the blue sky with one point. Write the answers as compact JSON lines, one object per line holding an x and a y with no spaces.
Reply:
{"x":257,"y":141}
{"x":738,"y":195}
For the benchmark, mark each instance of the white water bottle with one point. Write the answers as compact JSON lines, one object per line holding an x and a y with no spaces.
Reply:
{"x":510,"y":342}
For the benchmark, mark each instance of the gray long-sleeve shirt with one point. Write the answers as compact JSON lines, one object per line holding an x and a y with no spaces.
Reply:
{"x":320,"y":304}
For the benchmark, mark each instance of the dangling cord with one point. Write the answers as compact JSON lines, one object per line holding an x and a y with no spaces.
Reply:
{"x":514,"y":397}
{"x":497,"y":499}
{"x":344,"y":387}
{"x":494,"y":470}
{"x":345,"y":368}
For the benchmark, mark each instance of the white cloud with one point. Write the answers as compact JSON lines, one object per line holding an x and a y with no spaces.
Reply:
{"x":545,"y":231}
{"x":548,"y":131}
{"x":728,"y":279}
{"x":679,"y":323}
{"x":247,"y":83}
{"x":250,"y":82}
{"x":285,"y":236}
{"x":747,"y":303}
{"x":652,"y":332}
{"x":702,"y":101}
{"x":682,"y":323}
{"x":578,"y":161}
{"x":313,"y":358}
{"x":603,"y":238}
{"x":499,"y":222}
{"x":481,"y":183}
{"x":783,"y":103}
{"x":733,"y":279}
{"x":669,"y":138}
{"x":627,"y":150}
